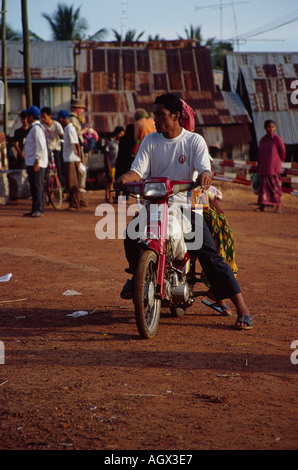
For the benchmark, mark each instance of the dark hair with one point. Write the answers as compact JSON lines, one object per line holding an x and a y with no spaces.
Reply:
{"x":267,"y":122}
{"x":46,"y":110}
{"x":171,"y":102}
{"x":118,"y":129}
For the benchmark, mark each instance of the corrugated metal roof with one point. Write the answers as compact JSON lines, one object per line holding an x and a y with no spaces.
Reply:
{"x":267,"y":79}
{"x":286,"y":124}
{"x":236,"y":107}
{"x":260,"y":65}
{"x":48,"y":60}
{"x":148,"y":70}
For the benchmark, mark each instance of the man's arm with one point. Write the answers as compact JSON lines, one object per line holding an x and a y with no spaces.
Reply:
{"x":128,"y":177}
{"x":40,"y":145}
{"x":78,"y":149}
{"x":281,"y":149}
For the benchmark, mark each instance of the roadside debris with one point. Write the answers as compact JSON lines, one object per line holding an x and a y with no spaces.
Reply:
{"x":71,"y":292}
{"x":6,"y":277}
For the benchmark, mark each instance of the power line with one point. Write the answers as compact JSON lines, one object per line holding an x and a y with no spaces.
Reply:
{"x":287,"y":19}
{"x":221,"y":5}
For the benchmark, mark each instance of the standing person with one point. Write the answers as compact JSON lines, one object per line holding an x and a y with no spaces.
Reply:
{"x":71,"y":161}
{"x":271,"y":154}
{"x":54,"y":132}
{"x":19,"y":139}
{"x":180,"y":154}
{"x":36,"y":158}
{"x":143,"y":126}
{"x":124,"y":158}
{"x":77,"y":118}
{"x":111,"y":153}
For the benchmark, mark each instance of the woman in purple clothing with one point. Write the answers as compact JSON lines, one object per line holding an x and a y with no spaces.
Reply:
{"x":272,"y":153}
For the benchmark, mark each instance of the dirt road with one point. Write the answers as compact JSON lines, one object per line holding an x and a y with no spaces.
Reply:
{"x":90,"y":382}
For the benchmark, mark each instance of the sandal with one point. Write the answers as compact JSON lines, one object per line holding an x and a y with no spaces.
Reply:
{"x":223,"y":310}
{"x":246,"y":319}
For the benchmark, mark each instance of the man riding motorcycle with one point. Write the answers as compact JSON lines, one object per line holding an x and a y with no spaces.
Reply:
{"x":179,"y":154}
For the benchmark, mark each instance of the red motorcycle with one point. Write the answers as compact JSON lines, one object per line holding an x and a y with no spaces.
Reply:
{"x":165,"y":271}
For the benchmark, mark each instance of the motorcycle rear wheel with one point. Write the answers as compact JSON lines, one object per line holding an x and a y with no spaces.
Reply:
{"x":147,"y":306}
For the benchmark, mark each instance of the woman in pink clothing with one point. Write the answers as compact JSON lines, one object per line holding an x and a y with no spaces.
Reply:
{"x":272,"y":153}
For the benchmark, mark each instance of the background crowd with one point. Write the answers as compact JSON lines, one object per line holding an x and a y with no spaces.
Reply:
{"x":70,"y":141}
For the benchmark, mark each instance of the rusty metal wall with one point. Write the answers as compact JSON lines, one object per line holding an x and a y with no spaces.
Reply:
{"x":122,"y":79}
{"x":49,"y":60}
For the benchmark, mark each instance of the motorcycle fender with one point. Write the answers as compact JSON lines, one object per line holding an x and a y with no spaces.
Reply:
{"x":144,"y":245}
{"x":153,"y":245}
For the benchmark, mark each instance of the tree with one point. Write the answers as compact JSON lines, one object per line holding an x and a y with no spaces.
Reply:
{"x":11,"y":35}
{"x":193,"y":33}
{"x":218,"y":53}
{"x":155,"y":38}
{"x":130,"y":36}
{"x":218,"y":49}
{"x":99,"y":35}
{"x":66,"y":23}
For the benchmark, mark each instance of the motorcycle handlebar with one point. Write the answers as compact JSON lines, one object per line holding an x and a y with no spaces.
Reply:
{"x":173,"y":186}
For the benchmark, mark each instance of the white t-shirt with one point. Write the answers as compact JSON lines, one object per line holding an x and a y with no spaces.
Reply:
{"x":69,"y":149}
{"x":53,"y":134}
{"x":182,"y":158}
{"x":112,"y":148}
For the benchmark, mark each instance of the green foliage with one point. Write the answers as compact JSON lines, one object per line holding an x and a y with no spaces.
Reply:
{"x":66,"y":23}
{"x":130,"y":36}
{"x":218,"y":49}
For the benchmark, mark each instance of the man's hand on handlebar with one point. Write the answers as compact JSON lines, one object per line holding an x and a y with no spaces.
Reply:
{"x":204,"y":180}
{"x":126,"y":178}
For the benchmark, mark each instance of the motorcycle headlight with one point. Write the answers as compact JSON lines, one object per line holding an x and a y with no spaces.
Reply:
{"x":155,"y":189}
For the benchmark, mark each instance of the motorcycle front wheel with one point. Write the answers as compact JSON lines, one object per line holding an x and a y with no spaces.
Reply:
{"x":147,"y":306}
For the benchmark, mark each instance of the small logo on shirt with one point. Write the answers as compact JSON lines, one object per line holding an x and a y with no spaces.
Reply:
{"x":182,"y":159}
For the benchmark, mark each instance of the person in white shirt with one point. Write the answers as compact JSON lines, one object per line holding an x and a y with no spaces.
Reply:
{"x":176,"y":153}
{"x":36,"y":159}
{"x":71,"y":161}
{"x":54,"y":132}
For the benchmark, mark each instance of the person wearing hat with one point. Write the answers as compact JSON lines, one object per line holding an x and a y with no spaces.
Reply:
{"x":71,"y":161}
{"x":36,"y":159}
{"x":77,"y":111}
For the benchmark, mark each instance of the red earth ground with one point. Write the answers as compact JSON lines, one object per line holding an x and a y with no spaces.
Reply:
{"x":91,"y":382}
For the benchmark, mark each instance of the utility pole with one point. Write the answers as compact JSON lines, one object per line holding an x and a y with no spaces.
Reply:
{"x":121,"y":78}
{"x":26,"y":42}
{"x":4,"y":77}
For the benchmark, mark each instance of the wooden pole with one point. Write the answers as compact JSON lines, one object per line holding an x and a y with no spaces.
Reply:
{"x":26,"y":42}
{"x":4,"y":77}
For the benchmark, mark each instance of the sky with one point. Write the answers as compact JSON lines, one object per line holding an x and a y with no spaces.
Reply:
{"x":169,"y":19}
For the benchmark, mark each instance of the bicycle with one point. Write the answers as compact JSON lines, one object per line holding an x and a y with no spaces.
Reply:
{"x":53,"y":188}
